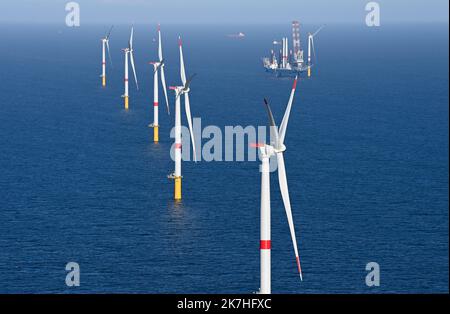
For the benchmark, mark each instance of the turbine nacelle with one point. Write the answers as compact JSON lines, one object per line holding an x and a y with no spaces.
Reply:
{"x":178,"y":89}
{"x":268,"y":151}
{"x":280,"y":149}
{"x":157,"y":64}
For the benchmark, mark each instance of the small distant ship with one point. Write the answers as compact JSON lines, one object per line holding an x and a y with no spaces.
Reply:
{"x":239,"y":35}
{"x":285,"y":62}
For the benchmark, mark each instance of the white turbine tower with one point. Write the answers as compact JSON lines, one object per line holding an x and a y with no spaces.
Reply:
{"x":105,"y":45}
{"x":129,"y":52}
{"x":181,"y":90}
{"x":276,"y":148}
{"x":311,"y":47}
{"x":158,"y":66}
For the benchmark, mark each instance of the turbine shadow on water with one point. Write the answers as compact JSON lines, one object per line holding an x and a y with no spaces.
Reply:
{"x":179,"y":214}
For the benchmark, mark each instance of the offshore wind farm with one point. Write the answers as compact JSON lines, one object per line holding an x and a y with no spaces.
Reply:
{"x":343,"y":162}
{"x":266,"y":150}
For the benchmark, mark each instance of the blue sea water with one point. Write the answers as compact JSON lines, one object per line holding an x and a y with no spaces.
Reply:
{"x":367,"y":163}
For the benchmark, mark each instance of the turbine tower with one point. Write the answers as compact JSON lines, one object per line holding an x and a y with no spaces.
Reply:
{"x":129,"y":54}
{"x":158,"y":66}
{"x":276,"y":148}
{"x":311,"y":47}
{"x":105,"y":45}
{"x":181,"y":90}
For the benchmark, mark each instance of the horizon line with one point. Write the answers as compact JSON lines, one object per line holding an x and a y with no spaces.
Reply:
{"x":221,"y":23}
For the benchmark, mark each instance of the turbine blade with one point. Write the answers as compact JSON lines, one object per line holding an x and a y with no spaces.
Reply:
{"x":160,"y":55}
{"x":269,"y":113}
{"x":161,"y":63}
{"x":182,"y":70}
{"x":285,"y":120}
{"x":318,"y":30}
{"x":287,"y":206}
{"x":188,"y":117}
{"x":156,"y":68}
{"x":313,"y":50}
{"x":109,"y":33}
{"x":273,"y":126}
{"x":130,"y":42}
{"x":109,"y":53}
{"x":163,"y":81}
{"x":189,"y":80}
{"x":134,"y":69}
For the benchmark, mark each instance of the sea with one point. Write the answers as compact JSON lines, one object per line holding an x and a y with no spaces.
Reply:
{"x":82,"y":181}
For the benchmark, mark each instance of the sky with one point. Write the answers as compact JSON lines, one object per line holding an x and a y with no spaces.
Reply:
{"x":223,"y":11}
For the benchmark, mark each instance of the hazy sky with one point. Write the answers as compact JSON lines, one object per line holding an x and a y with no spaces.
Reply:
{"x":223,"y":11}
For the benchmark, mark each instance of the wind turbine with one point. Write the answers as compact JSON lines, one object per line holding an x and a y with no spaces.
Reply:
{"x":158,"y":66}
{"x":105,"y":45}
{"x":181,"y":90}
{"x":276,"y":148}
{"x":129,"y":52}
{"x":311,"y":47}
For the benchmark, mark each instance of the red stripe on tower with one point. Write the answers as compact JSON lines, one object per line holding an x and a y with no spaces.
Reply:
{"x":155,"y":104}
{"x":294,"y":86}
{"x":264,"y":245}
{"x":177,"y":145}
